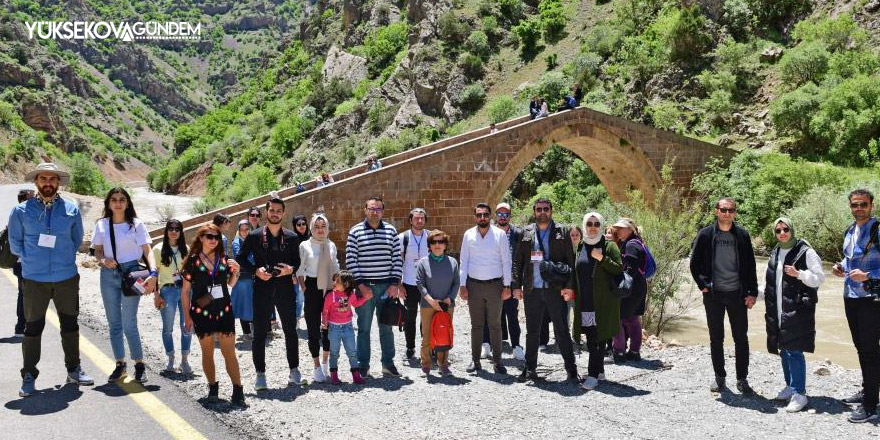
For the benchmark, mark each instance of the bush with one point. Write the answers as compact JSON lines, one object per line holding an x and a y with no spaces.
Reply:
{"x":472,"y":65}
{"x":379,"y":116}
{"x":346,"y":107}
{"x":490,"y":27}
{"x":852,"y":63}
{"x":791,"y":113}
{"x":502,"y":109}
{"x":603,"y":39}
{"x":666,"y":115}
{"x":529,"y":32}
{"x":776,"y":13}
{"x":478,"y":44}
{"x":288,"y":134}
{"x":386,"y":146}
{"x":688,"y":39}
{"x":553,"y":86}
{"x":552,"y":18}
{"x":718,"y":107}
{"x":86,"y":178}
{"x":739,"y":18}
{"x":806,"y":62}
{"x":472,"y":97}
{"x":837,"y":35}
{"x":511,"y":10}
{"x":584,"y":69}
{"x":848,"y":121}
{"x":451,"y":29}
{"x":383,"y":45}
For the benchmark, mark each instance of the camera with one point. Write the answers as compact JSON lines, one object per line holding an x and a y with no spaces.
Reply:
{"x":872,"y":286}
{"x":272,"y":270}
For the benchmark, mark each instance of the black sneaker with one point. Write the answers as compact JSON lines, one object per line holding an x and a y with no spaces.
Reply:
{"x":390,"y":370}
{"x":619,"y":359}
{"x":573,"y":377}
{"x":410,"y":352}
{"x":118,"y":373}
{"x":855,"y":399}
{"x":632,"y":356}
{"x":527,"y":375}
{"x":474,"y":366}
{"x":140,"y":372}
{"x":500,"y":369}
{"x":213,"y":392}
{"x":860,"y":415}
{"x":743,"y":387}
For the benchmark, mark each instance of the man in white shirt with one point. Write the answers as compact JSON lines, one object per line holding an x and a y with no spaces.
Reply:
{"x":485,"y":283}
{"x":414,"y":245}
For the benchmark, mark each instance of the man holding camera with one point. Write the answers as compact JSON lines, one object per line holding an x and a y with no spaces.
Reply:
{"x":860,"y":264}
{"x":276,"y":254}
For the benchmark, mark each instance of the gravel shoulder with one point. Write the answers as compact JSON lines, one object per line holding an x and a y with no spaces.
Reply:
{"x":664,"y":396}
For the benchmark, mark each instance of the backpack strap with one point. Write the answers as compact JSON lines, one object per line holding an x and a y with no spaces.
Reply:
{"x":405,"y":245}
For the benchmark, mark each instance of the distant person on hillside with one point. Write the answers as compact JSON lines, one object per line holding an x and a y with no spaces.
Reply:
{"x":492,"y":128}
{"x":544,"y":109}
{"x":23,"y":196}
{"x":324,"y":179}
{"x":300,"y":187}
{"x":534,"y":107}
{"x":577,"y":93}
{"x":373,"y":163}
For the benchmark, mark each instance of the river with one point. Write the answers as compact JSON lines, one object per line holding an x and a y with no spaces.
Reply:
{"x":833,"y":339}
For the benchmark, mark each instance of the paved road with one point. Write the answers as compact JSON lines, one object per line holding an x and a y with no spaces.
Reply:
{"x":158,"y":410}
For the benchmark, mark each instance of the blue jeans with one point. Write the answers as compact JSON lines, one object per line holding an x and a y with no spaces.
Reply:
{"x":794,"y":368}
{"x":171,"y":295}
{"x":343,"y":333}
{"x":121,"y":312}
{"x":300,"y":300}
{"x":365,"y":315}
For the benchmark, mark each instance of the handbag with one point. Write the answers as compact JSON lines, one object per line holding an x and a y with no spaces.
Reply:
{"x":132,"y":279}
{"x":622,"y":285}
{"x":393,"y":314}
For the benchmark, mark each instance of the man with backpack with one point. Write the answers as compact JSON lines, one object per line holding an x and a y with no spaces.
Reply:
{"x":414,"y":247}
{"x":723,"y":267}
{"x":860,"y":269}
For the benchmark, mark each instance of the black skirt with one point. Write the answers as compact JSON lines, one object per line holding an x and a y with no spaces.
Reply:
{"x":215,"y":318}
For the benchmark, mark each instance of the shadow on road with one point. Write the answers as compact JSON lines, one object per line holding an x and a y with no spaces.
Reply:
{"x":48,"y":401}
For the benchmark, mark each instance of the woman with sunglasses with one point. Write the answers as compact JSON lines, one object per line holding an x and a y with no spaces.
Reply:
{"x":318,"y":264}
{"x":302,"y":231}
{"x":438,"y":281}
{"x":794,"y":274}
{"x":207,"y":277}
{"x":597,"y":310}
{"x":169,"y":254}
{"x":243,"y":292}
{"x":254,"y":217}
{"x":118,"y":254}
{"x":632,"y":307}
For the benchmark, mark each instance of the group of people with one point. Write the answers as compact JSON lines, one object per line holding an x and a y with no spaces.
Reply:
{"x":268,"y":273}
{"x":540,"y":108}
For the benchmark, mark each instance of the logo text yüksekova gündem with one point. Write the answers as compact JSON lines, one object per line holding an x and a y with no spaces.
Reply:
{"x":122,"y":30}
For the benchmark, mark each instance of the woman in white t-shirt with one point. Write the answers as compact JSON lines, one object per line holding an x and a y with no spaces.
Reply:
{"x":132,"y":242}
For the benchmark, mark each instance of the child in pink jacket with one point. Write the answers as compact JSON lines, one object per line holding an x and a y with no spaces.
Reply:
{"x":336,"y":317}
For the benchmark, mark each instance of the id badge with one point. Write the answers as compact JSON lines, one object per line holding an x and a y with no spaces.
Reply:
{"x":537,"y":256}
{"x":217,"y":291}
{"x":46,"y":241}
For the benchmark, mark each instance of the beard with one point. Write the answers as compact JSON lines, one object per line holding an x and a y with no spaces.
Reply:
{"x":274,"y":220}
{"x":483,"y":223}
{"x":48,"y":191}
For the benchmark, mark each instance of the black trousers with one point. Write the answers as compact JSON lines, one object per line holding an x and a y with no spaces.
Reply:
{"x":412,"y":311}
{"x":19,"y":310}
{"x":536,"y":302}
{"x":863,"y":316}
{"x":509,"y":323}
{"x":314,"y":304}
{"x":716,"y":303}
{"x":596,"y":350}
{"x":268,"y":295}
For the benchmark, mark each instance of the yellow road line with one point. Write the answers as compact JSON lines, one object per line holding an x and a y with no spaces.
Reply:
{"x":172,"y":422}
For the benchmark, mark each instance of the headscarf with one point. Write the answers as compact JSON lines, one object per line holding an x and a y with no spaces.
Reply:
{"x":303,"y":237}
{"x":325,"y":263}
{"x":598,"y":237}
{"x":792,"y":240}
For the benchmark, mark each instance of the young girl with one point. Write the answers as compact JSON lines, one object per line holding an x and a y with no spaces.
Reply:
{"x":336,"y":318}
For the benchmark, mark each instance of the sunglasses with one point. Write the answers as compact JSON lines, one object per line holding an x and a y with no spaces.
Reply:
{"x":174,"y":229}
{"x":727,"y":210}
{"x":254,"y":215}
{"x":482,"y":215}
{"x":543,"y":209}
{"x":502,"y":214}
{"x":782,"y":230}
{"x":593,"y":224}
{"x":300,"y":224}
{"x":215,"y":237}
{"x":855,"y":205}
{"x":436,"y":242}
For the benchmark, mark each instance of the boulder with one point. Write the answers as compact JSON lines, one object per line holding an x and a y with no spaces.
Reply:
{"x":343,"y":65}
{"x":771,"y":54}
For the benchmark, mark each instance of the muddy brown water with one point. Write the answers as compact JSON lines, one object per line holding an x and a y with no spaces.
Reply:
{"x":833,"y":340}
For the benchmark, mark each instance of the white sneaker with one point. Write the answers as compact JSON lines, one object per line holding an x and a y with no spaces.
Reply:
{"x":326,"y":369}
{"x":590,"y":383}
{"x":276,"y":326}
{"x":185,"y":368}
{"x":319,"y":376}
{"x":518,"y":353}
{"x":295,"y":377}
{"x":785,"y":394}
{"x":798,"y":402}
{"x":601,"y":376}
{"x":487,"y":351}
{"x":170,"y":367}
{"x":608,"y":360}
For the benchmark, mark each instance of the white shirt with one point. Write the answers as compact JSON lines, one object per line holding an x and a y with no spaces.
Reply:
{"x":309,"y":254}
{"x":129,"y":239}
{"x":416,"y":248}
{"x":812,"y":277}
{"x":485,"y":258}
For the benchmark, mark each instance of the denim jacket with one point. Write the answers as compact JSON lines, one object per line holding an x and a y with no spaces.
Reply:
{"x":868,"y":262}
{"x":30,"y":219}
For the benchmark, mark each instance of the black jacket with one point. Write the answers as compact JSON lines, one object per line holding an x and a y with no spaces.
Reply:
{"x":561,"y":251}
{"x":263,"y":255}
{"x":633,"y":258}
{"x":703,"y":254}
{"x":798,"y":329}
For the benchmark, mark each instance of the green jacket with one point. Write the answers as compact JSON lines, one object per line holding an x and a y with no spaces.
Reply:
{"x":607,"y":305}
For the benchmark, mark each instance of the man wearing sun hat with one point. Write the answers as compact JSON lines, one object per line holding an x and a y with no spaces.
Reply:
{"x":46,"y":232}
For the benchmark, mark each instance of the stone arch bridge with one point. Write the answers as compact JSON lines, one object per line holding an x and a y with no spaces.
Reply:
{"x":449,"y":177}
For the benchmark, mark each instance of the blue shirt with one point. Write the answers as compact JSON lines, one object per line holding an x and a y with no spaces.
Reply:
{"x":237,"y":242}
{"x":544,"y":237}
{"x":854,"y":257}
{"x":43,"y":264}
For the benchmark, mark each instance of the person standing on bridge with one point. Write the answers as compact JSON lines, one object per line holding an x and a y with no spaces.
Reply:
{"x":544,"y":267}
{"x":414,"y":246}
{"x":45,"y":233}
{"x":723,"y":267}
{"x":484,"y":278}
{"x":276,"y":255}
{"x":120,"y":241}
{"x":373,"y":256}
{"x":170,"y":254}
{"x":318,"y":264}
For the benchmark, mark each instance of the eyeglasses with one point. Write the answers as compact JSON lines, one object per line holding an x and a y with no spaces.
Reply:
{"x":502,"y":214}
{"x":173,"y":229}
{"x":436,"y":242}
{"x":855,"y":205}
{"x":376,"y":210}
{"x":592,"y":224}
{"x":782,"y":230}
{"x":300,"y":224}
{"x":254,"y":215}
{"x":214,"y":237}
{"x":727,"y":210}
{"x":543,"y":209}
{"x":482,"y":215}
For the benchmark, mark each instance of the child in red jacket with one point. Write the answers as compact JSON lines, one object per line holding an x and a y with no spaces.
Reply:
{"x":336,"y":317}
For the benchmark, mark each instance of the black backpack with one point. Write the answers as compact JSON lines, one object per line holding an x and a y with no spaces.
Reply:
{"x":7,"y":258}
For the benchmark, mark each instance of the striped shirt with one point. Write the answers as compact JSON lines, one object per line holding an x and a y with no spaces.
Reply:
{"x":373,"y":255}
